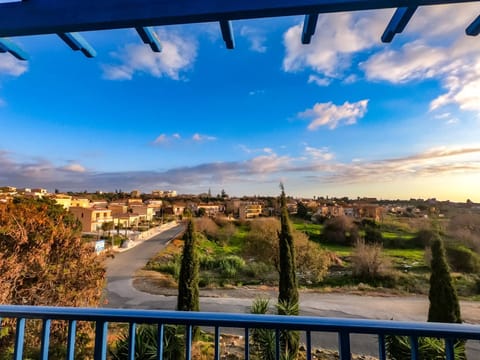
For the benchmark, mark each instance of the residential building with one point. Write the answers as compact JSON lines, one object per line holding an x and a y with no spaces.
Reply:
{"x":135,"y":193}
{"x":126,"y":220}
{"x":249,"y":210}
{"x":118,"y":208}
{"x":211,"y":209}
{"x":63,"y":199}
{"x":370,"y":211}
{"x":144,"y":212}
{"x":91,"y":218}
{"x":164,"y":193}
{"x":80,"y":202}
{"x":136,"y":201}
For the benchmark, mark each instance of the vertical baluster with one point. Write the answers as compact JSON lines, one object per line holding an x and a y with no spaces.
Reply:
{"x":414,"y":347}
{"x":449,"y":349}
{"x":277,"y":344}
{"x":217,"y":343}
{"x":309,"y":345}
{"x":188,"y":342}
{"x":344,"y":345}
{"x":247,"y":344}
{"x":382,"y":354}
{"x":19,"y":337}
{"x":101,"y":329}
{"x":131,"y":341}
{"x":45,"y":339}
{"x":161,"y":328}
{"x":72,"y":334}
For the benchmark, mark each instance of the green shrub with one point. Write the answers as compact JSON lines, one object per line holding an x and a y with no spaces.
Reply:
{"x":227,"y":266}
{"x":423,"y":238}
{"x":259,"y":270}
{"x":146,"y":344}
{"x":230,"y":265}
{"x":399,"y":348}
{"x":373,"y":235}
{"x":172,"y":267}
{"x":462,"y":258}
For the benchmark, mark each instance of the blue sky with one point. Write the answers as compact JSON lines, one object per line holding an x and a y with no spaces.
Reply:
{"x":343,"y":116}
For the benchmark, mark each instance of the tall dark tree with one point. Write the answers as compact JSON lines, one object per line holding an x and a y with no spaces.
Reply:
{"x":188,"y":293}
{"x":444,"y":305}
{"x":288,"y":285}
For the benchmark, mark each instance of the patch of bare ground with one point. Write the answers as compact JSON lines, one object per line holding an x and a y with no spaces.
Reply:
{"x":156,"y":283}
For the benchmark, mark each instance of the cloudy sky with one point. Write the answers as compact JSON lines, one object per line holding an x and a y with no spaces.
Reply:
{"x":344,"y":116}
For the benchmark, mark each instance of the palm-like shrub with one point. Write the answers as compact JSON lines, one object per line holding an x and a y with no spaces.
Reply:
{"x":399,"y":348}
{"x":263,"y":340}
{"x":146,"y":344}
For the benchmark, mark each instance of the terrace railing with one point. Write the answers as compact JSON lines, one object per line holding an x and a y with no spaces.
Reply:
{"x":244,"y":322}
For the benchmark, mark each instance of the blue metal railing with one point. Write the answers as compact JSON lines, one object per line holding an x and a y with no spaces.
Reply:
{"x":343,"y":327}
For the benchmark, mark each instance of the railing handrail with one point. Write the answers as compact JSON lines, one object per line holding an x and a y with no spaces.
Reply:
{"x":236,"y":320}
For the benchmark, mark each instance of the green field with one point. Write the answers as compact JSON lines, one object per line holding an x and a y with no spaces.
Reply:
{"x":227,"y":263}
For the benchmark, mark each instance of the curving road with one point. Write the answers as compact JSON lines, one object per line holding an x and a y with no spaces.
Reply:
{"x":122,"y":294}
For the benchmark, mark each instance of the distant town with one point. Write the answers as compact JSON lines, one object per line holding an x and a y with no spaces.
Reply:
{"x":131,"y":209}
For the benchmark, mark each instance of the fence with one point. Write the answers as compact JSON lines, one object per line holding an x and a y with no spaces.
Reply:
{"x":245,"y":322}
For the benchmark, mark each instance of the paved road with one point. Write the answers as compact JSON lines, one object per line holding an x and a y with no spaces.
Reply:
{"x":122,"y":294}
{"x":120,"y":271}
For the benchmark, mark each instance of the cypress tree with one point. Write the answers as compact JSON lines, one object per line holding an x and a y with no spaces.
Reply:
{"x":188,"y":293}
{"x":444,"y":305}
{"x":288,"y":286}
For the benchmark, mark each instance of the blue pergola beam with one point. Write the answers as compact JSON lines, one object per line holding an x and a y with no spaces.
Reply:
{"x":12,"y":48}
{"x":77,"y":43}
{"x":34,"y":17}
{"x":227,"y":34}
{"x":397,"y":24}
{"x":309,"y":26}
{"x":150,"y":37}
{"x":474,"y":28}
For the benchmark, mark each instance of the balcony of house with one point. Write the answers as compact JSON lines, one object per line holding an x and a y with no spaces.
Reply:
{"x":218,"y":324}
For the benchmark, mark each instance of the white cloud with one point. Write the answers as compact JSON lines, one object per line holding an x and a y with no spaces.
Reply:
{"x":331,"y":115}
{"x":447,"y":118}
{"x":199,"y":138}
{"x":435,"y":47}
{"x":77,"y":168}
{"x":413,"y":61}
{"x":320,"y":81}
{"x":350,"y":79}
{"x":256,"y":92}
{"x":442,"y":52}
{"x":11,"y":66}
{"x":338,"y":37}
{"x":160,"y":139}
{"x":270,"y":163}
{"x":178,"y":54}
{"x":256,"y":38}
{"x":318,"y":153}
{"x":164,"y":138}
{"x":431,"y":162}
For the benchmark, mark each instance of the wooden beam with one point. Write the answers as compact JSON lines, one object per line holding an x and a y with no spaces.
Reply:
{"x":34,"y":17}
